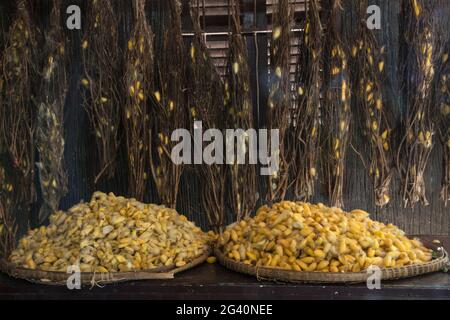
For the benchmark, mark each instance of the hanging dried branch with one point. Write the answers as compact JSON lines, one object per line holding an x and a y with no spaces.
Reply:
{"x":417,"y":64}
{"x":242,"y":176}
{"x":17,"y":113}
{"x":442,"y":119}
{"x":279,"y":102}
{"x":50,"y":118}
{"x":170,"y":109}
{"x":371,"y":111}
{"x":208,"y":104}
{"x":101,"y":59}
{"x":8,"y":230}
{"x":307,"y":111}
{"x":7,"y":195}
{"x":136,"y":117}
{"x":337,"y":113}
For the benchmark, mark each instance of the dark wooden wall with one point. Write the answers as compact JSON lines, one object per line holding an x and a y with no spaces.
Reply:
{"x":81,"y":157}
{"x":432,"y":219}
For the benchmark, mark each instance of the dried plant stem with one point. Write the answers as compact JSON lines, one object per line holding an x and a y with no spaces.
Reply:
{"x":368,"y":73}
{"x":417,"y":63}
{"x":7,"y":196}
{"x":17,"y":112}
{"x":279,"y":102}
{"x":138,"y":84}
{"x":101,"y":60}
{"x":307,"y":112}
{"x":208,"y":104}
{"x":337,"y":113}
{"x":240,"y":114}
{"x":8,"y":229}
{"x":169,"y":111}
{"x":442,"y":119}
{"x":50,"y":118}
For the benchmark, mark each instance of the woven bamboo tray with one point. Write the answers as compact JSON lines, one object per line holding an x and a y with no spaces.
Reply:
{"x":275,"y":274}
{"x":97,"y":279}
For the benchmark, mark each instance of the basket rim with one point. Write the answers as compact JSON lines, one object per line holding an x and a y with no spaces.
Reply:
{"x":279,"y":274}
{"x":97,"y":278}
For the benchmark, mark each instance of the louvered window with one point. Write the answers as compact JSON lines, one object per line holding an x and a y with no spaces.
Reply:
{"x":214,"y":18}
{"x":256,"y":21}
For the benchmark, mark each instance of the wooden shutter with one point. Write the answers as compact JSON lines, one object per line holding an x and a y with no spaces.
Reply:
{"x":214,"y":17}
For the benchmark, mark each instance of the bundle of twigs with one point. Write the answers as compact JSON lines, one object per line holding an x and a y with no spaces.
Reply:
{"x":243,"y":194}
{"x":279,"y":102}
{"x":101,"y":61}
{"x":138,"y":84}
{"x":50,"y":115}
{"x":17,"y":113}
{"x":169,"y":111}
{"x":208,"y":104}
{"x":443,"y":119}
{"x":370,"y":110}
{"x":337,"y":113}
{"x":7,"y":198}
{"x":418,"y":49}
{"x":8,"y":229}
{"x":308,"y":103}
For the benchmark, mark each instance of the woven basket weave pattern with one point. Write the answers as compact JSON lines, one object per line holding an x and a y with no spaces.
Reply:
{"x":276,"y":274}
{"x":88,"y":278}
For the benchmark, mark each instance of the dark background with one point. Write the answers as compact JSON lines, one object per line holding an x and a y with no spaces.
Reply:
{"x":80,"y":154}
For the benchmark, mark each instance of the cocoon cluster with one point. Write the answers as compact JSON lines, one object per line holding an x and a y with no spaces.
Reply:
{"x":111,"y":234}
{"x":305,"y":237}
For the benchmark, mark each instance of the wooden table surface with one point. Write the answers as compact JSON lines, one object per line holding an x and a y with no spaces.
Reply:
{"x":215,"y":282}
